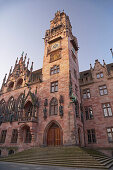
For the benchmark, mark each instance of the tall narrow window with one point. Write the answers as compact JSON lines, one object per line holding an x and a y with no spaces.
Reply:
{"x":91,"y":136}
{"x":2,"y":106}
{"x":14,"y":136}
{"x":86,"y":93}
{"x":28,"y":136}
{"x":110,"y":134}
{"x":53,"y":106}
{"x":75,"y":74}
{"x":54,"y":86}
{"x":107,"y":109}
{"x":103,"y":90}
{"x":89,"y":112}
{"x":76,"y":90}
{"x":3,"y":136}
{"x":11,"y":104}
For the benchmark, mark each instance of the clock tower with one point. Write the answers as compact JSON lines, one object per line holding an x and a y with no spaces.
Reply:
{"x":60,"y":76}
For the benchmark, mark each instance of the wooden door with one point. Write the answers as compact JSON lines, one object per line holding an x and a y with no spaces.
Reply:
{"x":54,"y":136}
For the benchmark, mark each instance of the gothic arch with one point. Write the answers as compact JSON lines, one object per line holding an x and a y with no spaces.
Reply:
{"x":10,"y":86}
{"x":20,"y":101}
{"x":11,"y":104}
{"x":2,"y":106}
{"x":25,"y":134}
{"x":28,"y":108}
{"x":49,"y":125}
{"x":19,"y":82}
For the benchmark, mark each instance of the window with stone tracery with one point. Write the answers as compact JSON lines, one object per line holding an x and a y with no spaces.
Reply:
{"x":20,"y":102}
{"x":53,"y":106}
{"x":2,"y":106}
{"x":14,"y":136}
{"x":11,"y":104}
{"x":19,"y":82}
{"x":3,"y":136}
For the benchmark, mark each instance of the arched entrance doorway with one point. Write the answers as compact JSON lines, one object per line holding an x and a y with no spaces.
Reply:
{"x":54,"y":135}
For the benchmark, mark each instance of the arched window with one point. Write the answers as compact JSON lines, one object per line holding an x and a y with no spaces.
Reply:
{"x":28,"y":109}
{"x":11,"y":104}
{"x":20,"y":102}
{"x":14,"y":136}
{"x":53,"y":106}
{"x":25,"y":133}
{"x":19,"y":83}
{"x":10,"y":87}
{"x":2,"y":106}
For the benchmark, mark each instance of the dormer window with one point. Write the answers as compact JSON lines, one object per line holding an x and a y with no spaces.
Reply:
{"x":99,"y":75}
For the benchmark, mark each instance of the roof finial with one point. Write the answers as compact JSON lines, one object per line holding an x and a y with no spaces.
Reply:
{"x":90,"y":66}
{"x":111,"y":52}
{"x":104,"y":62}
{"x":22,"y":53}
{"x":31,"y":69}
{"x":16,"y":61}
{"x":27,"y":63}
{"x":25,"y":57}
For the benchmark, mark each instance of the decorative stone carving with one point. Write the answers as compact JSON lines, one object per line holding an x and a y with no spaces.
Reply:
{"x":61,"y":101}
{"x":45,"y":109}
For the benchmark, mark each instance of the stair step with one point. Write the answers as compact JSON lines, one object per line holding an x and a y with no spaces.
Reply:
{"x":63,"y":164}
{"x":61,"y":156}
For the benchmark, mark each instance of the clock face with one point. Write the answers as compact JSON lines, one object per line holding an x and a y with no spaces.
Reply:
{"x":55,"y":46}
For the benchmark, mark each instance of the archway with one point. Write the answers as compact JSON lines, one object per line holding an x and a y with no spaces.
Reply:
{"x":25,"y":134}
{"x":11,"y":152}
{"x":53,"y":135}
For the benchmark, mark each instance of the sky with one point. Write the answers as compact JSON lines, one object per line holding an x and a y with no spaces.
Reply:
{"x":23,"y":24}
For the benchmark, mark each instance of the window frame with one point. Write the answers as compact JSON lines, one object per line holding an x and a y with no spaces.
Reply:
{"x":88,"y":117}
{"x":86,"y":93}
{"x":54,"y":70}
{"x":108,"y":115}
{"x":53,"y":107}
{"x":99,"y":75}
{"x":92,"y":136}
{"x":3,"y":136}
{"x":54,"y":85}
{"x":111,"y":134}
{"x":103,"y":90}
{"x":14,"y":136}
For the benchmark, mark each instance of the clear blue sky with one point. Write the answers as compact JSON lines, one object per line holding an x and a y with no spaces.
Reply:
{"x":23,"y":24}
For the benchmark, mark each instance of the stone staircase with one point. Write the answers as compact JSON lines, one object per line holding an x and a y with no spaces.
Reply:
{"x":61,"y":156}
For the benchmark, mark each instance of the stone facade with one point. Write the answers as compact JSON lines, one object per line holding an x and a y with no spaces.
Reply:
{"x":42,"y":107}
{"x":97,"y":83}
{"x":56,"y":105}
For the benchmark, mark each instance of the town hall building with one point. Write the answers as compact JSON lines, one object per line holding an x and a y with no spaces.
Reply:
{"x":56,"y":105}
